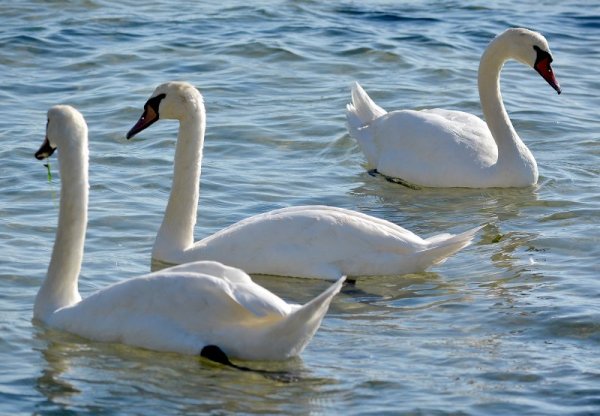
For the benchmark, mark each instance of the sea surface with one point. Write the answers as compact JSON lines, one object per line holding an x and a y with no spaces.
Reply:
{"x":509,"y":325}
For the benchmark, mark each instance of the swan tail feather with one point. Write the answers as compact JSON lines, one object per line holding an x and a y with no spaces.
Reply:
{"x":294,"y":332}
{"x":443,"y":246}
{"x":359,"y":114}
{"x":362,"y":110}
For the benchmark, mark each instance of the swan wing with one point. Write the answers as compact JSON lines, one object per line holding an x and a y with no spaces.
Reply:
{"x":240,"y":288}
{"x":310,"y":241}
{"x":183,"y":299}
{"x":428,"y":146}
{"x":313,"y":228}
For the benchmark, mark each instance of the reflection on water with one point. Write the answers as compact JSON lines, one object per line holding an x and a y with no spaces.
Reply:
{"x":471,"y":206}
{"x":156,"y":265}
{"x":51,"y":383}
{"x":150,"y":378}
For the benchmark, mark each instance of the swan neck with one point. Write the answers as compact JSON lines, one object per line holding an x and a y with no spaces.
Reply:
{"x":492,"y":105}
{"x":60,"y":287}
{"x":513,"y":154}
{"x":508,"y":141}
{"x":177,"y":229}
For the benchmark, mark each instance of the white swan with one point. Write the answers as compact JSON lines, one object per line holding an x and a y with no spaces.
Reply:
{"x":182,"y":309}
{"x":305,"y":241}
{"x":442,"y":148}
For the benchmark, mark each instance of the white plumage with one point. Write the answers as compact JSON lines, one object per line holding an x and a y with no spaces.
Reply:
{"x":443,"y":148}
{"x":305,"y":241}
{"x":180,"y":309}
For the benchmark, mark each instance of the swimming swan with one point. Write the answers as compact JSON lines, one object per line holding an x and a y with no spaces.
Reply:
{"x":443,"y":148}
{"x":305,"y":241}
{"x":187,"y":309}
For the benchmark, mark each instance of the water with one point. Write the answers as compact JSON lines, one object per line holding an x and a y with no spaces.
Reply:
{"x":510,"y":325}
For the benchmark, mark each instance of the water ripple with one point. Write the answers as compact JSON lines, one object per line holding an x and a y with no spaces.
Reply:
{"x":507,"y":326}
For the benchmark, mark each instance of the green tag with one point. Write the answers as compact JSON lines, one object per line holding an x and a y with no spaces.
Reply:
{"x":49,"y":173}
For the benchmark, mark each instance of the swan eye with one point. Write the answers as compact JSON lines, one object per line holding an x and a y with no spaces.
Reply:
{"x":45,"y":151}
{"x":154,"y":102}
{"x":542,"y":55}
{"x":149,"y":117}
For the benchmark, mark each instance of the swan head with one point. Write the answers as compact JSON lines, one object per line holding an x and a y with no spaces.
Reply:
{"x":174,"y":100}
{"x":65,"y":124}
{"x":531,"y":48}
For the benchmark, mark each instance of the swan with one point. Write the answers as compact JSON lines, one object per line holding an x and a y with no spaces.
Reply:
{"x":191,"y":309}
{"x":444,"y":148}
{"x":304,"y":241}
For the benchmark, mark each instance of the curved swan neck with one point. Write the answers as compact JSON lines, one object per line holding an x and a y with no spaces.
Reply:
{"x":60,"y":287}
{"x":510,"y":145}
{"x":177,"y":229}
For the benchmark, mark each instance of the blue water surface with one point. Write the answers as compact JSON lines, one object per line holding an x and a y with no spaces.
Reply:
{"x":510,"y":325}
